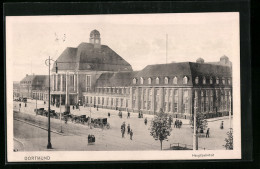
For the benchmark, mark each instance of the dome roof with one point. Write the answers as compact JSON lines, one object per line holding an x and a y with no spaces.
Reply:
{"x":223,"y":57}
{"x":200,"y":60}
{"x":94,"y":33}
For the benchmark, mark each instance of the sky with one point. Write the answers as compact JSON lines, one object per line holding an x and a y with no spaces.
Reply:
{"x":139,"y":39}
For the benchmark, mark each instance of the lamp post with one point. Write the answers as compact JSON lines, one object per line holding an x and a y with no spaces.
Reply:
{"x":60,"y":116}
{"x":195,"y":137}
{"x":48,"y":63}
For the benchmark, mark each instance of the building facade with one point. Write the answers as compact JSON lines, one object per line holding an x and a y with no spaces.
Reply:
{"x":94,"y":74}
{"x":80,"y":67}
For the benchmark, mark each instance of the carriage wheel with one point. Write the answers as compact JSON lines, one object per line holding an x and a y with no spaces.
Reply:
{"x":108,"y":126}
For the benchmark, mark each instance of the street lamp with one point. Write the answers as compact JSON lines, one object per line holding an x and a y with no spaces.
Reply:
{"x":195,"y":136}
{"x":48,"y":63}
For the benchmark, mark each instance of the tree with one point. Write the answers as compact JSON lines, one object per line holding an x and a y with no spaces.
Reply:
{"x":201,"y":122}
{"x":160,"y":129}
{"x":229,"y":140}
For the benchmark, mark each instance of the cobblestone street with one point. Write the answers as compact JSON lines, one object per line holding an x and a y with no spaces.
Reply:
{"x":74,"y":136}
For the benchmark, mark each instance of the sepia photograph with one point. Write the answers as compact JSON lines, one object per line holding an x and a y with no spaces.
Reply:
{"x":123,"y":87}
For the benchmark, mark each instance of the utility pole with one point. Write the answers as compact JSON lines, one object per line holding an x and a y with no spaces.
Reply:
{"x":195,"y":137}
{"x":60,"y":116}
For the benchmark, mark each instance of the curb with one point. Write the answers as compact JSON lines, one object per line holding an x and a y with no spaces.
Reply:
{"x":38,"y":126}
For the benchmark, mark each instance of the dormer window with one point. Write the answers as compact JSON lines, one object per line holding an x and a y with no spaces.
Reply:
{"x":197,"y":80}
{"x":217,"y":80}
{"x":166,"y":80}
{"x":157,"y":80}
{"x":175,"y":80}
{"x":211,"y":80}
{"x":223,"y":80}
{"x":141,"y":80}
{"x":134,"y":81}
{"x":149,"y":80}
{"x":204,"y":80}
{"x":185,"y":80}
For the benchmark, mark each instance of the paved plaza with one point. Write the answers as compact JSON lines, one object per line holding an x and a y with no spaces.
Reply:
{"x":29,"y":137}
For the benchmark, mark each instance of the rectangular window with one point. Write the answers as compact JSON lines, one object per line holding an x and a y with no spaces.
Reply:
{"x":111,"y":101}
{"x":157,"y":99}
{"x":121,"y":102}
{"x":126,"y":103}
{"x":116,"y":102}
{"x":91,"y":100}
{"x":185,"y":100}
{"x":134,"y":97}
{"x":88,"y":83}
{"x":175,"y":101}
{"x":103,"y":100}
{"x":98,"y":100}
{"x":107,"y":101}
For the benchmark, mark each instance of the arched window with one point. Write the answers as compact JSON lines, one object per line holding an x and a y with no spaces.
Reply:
{"x":166,"y":80}
{"x":185,"y":80}
{"x":134,"y":81}
{"x":149,"y":80}
{"x":217,"y":80}
{"x":141,"y":80}
{"x":211,"y":80}
{"x":223,"y":80}
{"x":175,"y":80}
{"x":197,"y":80}
{"x":157,"y":80}
{"x":204,"y":80}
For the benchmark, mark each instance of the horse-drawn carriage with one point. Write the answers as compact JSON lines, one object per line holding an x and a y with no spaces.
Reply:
{"x":100,"y":123}
{"x":39,"y":111}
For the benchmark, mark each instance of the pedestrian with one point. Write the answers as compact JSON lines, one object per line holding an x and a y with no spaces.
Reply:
{"x":128,"y":129}
{"x":180,"y":123}
{"x":131,"y":135}
{"x":73,"y":107}
{"x":176,"y":123}
{"x":145,"y":121}
{"x":123,"y":132}
{"x":25,"y":105}
{"x":108,"y":114}
{"x":222,"y":125}
{"x":128,"y":114}
{"x":20,"y":105}
{"x":97,"y":107}
{"x":207,"y":134}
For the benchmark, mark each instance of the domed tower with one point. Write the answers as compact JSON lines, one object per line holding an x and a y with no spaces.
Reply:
{"x":200,"y":60}
{"x":224,"y":60}
{"x":95,"y":38}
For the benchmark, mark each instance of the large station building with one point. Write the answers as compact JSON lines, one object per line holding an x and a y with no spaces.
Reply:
{"x":94,"y":74}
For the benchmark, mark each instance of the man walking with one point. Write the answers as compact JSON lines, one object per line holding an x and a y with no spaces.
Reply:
{"x":131,"y":135}
{"x":207,"y":134}
{"x":128,"y":129}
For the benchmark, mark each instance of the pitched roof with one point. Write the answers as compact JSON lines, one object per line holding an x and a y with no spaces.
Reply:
{"x":204,"y":69}
{"x":115,"y":79}
{"x":189,"y":69}
{"x":172,"y":69}
{"x":27,"y":78}
{"x":86,"y":57}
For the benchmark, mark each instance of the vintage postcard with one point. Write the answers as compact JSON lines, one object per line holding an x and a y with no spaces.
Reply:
{"x":123,"y":87}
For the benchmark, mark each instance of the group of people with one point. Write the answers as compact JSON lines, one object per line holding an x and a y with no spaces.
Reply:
{"x":177,"y":123}
{"x":140,"y":114}
{"x":129,"y":130}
